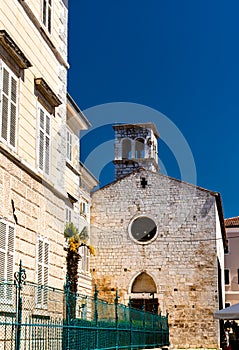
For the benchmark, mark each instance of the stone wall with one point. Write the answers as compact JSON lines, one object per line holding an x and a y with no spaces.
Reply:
{"x":38,"y":210}
{"x":182,"y":260}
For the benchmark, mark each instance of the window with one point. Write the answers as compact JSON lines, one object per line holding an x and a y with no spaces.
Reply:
{"x":143,"y":229}
{"x":7,"y":238}
{"x":42,"y":269}
{"x":84,"y":263}
{"x":227,"y":276}
{"x":44,"y":140}
{"x":84,"y":208}
{"x":8,"y":105}
{"x":47,"y":14}
{"x":68,"y":145}
{"x":226,"y":248}
{"x":68,"y":212}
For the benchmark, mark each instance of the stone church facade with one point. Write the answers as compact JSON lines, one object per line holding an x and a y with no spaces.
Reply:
{"x":159,"y":241}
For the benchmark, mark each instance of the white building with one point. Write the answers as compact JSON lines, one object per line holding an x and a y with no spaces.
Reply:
{"x":40,"y":173}
{"x":232,"y":261}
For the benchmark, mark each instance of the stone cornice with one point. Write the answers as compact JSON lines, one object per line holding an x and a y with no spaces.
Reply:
{"x":47,"y":92}
{"x":13,"y":50}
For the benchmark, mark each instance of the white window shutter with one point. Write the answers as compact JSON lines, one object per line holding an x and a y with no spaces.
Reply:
{"x":69,"y":145}
{"x":87,"y":260}
{"x":5,"y":103}
{"x":47,"y":14}
{"x":7,"y":237}
{"x":39,"y":271}
{"x":42,"y":272}
{"x":13,"y":113}
{"x":10,"y":263}
{"x":81,"y":258}
{"x":41,"y":140}
{"x":3,"y":237}
{"x":46,"y":272}
{"x":10,"y":254}
{"x":46,"y":262}
{"x":9,"y":96}
{"x":47,"y":144}
{"x":44,"y":141}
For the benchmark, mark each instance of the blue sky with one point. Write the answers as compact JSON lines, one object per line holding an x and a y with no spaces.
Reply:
{"x":179,"y":57}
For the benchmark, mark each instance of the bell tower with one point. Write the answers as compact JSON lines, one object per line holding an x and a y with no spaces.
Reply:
{"x":136,"y":145}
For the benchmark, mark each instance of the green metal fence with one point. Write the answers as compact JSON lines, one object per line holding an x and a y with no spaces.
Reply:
{"x":34,"y":317}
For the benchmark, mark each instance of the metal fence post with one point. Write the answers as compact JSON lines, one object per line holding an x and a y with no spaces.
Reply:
{"x":144,"y":332}
{"x":130,"y":322}
{"x":96,"y":317}
{"x":167,"y":330}
{"x":68,"y":311}
{"x":116,"y":320}
{"x":20,"y":277}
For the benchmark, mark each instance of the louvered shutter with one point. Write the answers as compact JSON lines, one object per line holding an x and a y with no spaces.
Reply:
{"x":13,"y":112}
{"x":84,"y":262}
{"x":42,"y":272}
{"x":87,"y":264}
{"x":49,"y":16}
{"x":8,"y":106}
{"x":7,"y":237}
{"x":10,"y":257}
{"x":46,"y":272}
{"x":44,"y":12}
{"x":44,"y":144}
{"x":10,"y":253}
{"x":41,"y":140}
{"x":81,"y":252}
{"x":68,"y":215}
{"x":47,"y":144}
{"x":5,"y":98}
{"x":39,"y":271}
{"x":3,"y":237}
{"x":69,"y":145}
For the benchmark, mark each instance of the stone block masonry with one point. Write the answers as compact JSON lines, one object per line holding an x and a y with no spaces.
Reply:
{"x":36,"y":210}
{"x":181,"y":258}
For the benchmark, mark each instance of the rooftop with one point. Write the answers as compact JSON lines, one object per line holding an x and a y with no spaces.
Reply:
{"x":232,"y":222}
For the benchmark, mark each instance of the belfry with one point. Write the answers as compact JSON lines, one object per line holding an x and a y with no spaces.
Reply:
{"x":136,"y":145}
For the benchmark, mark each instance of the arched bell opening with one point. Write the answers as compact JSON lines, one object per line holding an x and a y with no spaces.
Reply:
{"x":139,"y":148}
{"x":126,"y":149}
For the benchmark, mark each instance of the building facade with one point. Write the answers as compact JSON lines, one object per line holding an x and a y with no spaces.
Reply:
{"x":40,"y":173}
{"x":232,"y":262}
{"x":159,"y":241}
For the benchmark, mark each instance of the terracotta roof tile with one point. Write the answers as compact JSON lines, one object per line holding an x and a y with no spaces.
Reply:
{"x":232,"y":222}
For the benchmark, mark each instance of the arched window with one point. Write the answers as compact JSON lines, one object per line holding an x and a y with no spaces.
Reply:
{"x":144,"y":283}
{"x":126,"y":149}
{"x":139,"y":148}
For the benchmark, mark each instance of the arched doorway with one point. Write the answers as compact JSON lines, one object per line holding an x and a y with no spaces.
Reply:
{"x":144,"y":284}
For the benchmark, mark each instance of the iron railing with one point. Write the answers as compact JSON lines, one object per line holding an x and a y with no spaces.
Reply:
{"x":36,"y":317}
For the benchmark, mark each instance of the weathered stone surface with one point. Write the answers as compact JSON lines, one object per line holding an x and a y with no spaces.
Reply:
{"x":182,"y":259}
{"x":38,"y":212}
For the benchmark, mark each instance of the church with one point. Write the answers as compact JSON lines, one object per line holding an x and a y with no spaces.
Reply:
{"x":159,"y":241}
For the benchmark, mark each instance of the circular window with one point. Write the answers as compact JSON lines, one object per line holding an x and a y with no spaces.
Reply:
{"x":143,"y":229}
